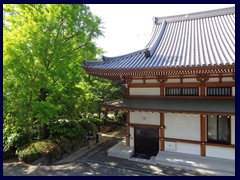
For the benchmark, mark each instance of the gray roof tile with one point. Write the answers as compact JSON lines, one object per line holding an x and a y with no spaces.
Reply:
{"x":201,"y":39}
{"x":175,"y":105}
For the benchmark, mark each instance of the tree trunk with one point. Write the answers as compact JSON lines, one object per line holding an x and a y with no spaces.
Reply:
{"x":44,"y":133}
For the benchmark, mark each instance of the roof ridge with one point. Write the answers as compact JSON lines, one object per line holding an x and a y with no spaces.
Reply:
{"x":149,"y":52}
{"x":195,"y":15}
{"x":105,"y":58}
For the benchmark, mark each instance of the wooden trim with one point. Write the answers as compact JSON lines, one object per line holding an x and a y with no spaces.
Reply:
{"x":185,"y":76}
{"x":203,"y":135}
{"x":202,"y":90}
{"x":128,"y":129}
{"x":144,"y":126}
{"x":162,"y":125}
{"x":179,"y":97}
{"x":193,"y":70}
{"x":166,"y":111}
{"x":197,"y":142}
{"x":220,"y":145}
{"x":230,"y":131}
{"x":162,"y":90}
{"x":207,"y":84}
{"x":182,"y":141}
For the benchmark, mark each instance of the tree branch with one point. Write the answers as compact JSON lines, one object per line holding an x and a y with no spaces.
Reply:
{"x":82,"y":45}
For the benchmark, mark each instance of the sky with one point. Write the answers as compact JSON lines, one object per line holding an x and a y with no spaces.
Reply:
{"x":128,"y":27}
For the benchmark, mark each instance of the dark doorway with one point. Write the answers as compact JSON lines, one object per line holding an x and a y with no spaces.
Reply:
{"x":146,"y":141}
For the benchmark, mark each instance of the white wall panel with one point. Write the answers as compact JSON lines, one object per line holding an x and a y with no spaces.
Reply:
{"x":132,"y":136}
{"x":145,"y":91}
{"x":182,"y":126}
{"x":182,"y":147}
{"x":220,"y":152}
{"x":213,"y":79}
{"x":173,"y":81}
{"x":227,"y":79}
{"x":148,"y":118}
{"x":190,"y":80}
{"x":137,"y":81}
{"x":148,"y":81}
{"x":233,"y":91}
{"x":233,"y":130}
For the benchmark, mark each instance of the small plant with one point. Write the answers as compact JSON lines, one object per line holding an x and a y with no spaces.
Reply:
{"x":38,"y":149}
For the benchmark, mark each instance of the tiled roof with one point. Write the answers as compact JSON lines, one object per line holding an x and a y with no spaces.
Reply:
{"x":192,"y":40}
{"x":175,"y":105}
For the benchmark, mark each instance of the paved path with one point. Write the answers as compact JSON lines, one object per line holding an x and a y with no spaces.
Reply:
{"x":95,"y":162}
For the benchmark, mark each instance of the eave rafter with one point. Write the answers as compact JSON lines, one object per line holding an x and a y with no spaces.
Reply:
{"x":162,"y":74}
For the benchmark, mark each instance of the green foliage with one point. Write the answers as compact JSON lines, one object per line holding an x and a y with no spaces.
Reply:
{"x":44,"y":48}
{"x":97,"y":121}
{"x":38,"y":149}
{"x":69,"y":129}
{"x":64,"y":143}
{"x":88,"y":125}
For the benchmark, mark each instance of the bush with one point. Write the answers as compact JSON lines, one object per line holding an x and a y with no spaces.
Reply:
{"x":64,"y":143}
{"x":12,"y":141}
{"x":88,"y":125}
{"x":69,"y":129}
{"x":97,"y":121}
{"x":38,"y":149}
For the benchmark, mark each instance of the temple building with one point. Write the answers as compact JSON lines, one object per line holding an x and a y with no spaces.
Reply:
{"x":180,"y":88}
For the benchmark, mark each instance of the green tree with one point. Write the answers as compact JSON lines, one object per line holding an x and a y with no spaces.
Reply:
{"x":44,"y":48}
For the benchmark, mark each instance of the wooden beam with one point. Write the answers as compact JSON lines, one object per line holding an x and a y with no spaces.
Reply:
{"x":203,"y":135}
{"x":162,"y":127}
{"x":128,"y":129}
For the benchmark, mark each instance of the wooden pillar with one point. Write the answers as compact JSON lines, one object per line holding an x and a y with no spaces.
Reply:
{"x":203,"y":135}
{"x":127,"y":91}
{"x":128,"y":129}
{"x":161,"y":90}
{"x":162,"y":125}
{"x":202,"y":90}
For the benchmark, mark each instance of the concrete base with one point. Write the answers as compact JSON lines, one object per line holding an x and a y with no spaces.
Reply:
{"x":194,"y":162}
{"x":120,"y":150}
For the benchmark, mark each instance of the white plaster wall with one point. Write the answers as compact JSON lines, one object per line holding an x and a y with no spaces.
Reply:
{"x":220,"y":152}
{"x":233,"y":91}
{"x":145,"y":118}
{"x":233,"y":130}
{"x":173,"y":81}
{"x":137,"y":81}
{"x":182,"y":147}
{"x":148,"y":81}
{"x":227,"y":79}
{"x":213,"y":79}
{"x":132,"y":136}
{"x":145,"y":91}
{"x":190,"y":80}
{"x":182,"y":126}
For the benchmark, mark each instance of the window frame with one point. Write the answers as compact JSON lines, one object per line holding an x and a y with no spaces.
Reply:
{"x":180,"y":91}
{"x":229,"y":129}
{"x":215,"y":89}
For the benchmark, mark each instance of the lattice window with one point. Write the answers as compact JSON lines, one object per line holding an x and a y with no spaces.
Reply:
{"x":219,"y":91}
{"x":192,"y":91}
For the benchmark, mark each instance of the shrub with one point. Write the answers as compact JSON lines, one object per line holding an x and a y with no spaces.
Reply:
{"x":64,"y":143}
{"x":88,"y":125}
{"x":97,"y":121}
{"x":69,"y":129}
{"x":12,"y":141}
{"x":38,"y":149}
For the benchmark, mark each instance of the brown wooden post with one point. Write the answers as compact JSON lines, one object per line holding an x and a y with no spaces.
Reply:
{"x":128,"y":129}
{"x":161,"y":90}
{"x":162,"y":125}
{"x":202,"y":90}
{"x":203,"y":135}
